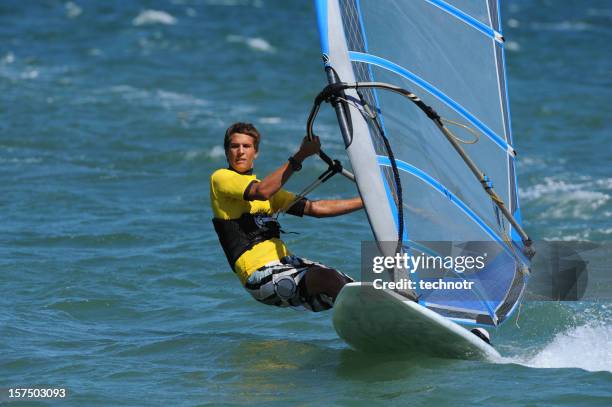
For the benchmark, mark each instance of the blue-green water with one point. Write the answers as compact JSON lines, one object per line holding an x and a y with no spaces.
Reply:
{"x":113,"y":284}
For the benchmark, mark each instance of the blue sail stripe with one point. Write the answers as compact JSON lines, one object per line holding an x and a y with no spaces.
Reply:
{"x":382,"y":160}
{"x":393,"y":67}
{"x":466,"y":18}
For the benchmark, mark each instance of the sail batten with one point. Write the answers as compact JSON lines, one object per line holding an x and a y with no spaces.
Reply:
{"x":468,"y":19}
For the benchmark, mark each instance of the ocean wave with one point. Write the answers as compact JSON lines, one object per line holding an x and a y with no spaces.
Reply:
{"x":549,"y":187}
{"x":600,"y":12}
{"x":270,"y":120}
{"x":562,"y":26}
{"x":235,"y":3}
{"x":117,"y":239}
{"x":8,"y":58}
{"x":512,"y":46}
{"x":149,"y":17}
{"x":166,"y":99}
{"x":192,"y":155}
{"x":11,"y":69}
{"x":256,"y":43}
{"x":30,"y":73}
{"x":578,"y":199}
{"x":607,"y":231}
{"x":72,"y":10}
{"x":513,"y":22}
{"x":587,"y":347}
{"x":24,"y":160}
{"x":216,"y":152}
{"x":540,"y":162}
{"x":581,"y":233}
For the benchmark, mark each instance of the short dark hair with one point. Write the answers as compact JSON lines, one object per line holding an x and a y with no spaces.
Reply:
{"x":242,"y":128}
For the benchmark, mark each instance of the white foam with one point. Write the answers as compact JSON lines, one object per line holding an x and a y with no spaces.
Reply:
{"x":587,"y":347}
{"x":257,"y":44}
{"x":192,"y":155}
{"x":148,"y":17}
{"x":216,"y":152}
{"x":512,"y":46}
{"x":72,"y":10}
{"x":562,"y":26}
{"x":27,"y":160}
{"x":532,"y":161}
{"x":174,"y":99}
{"x":166,"y":99}
{"x":30,"y":74}
{"x":9,"y":58}
{"x":233,"y":3}
{"x":270,"y":120}
{"x":230,"y":3}
{"x":604,"y":183}
{"x":578,"y":199}
{"x":548,"y":187}
{"x":513,"y":23}
{"x":559,"y":190}
{"x":584,"y":235}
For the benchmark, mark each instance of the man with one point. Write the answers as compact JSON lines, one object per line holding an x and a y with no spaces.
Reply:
{"x":243,"y":207}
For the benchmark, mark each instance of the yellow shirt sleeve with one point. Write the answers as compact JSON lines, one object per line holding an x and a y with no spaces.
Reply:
{"x":229,"y":184}
{"x":281,"y":199}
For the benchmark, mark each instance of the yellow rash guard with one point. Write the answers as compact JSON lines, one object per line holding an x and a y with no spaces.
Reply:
{"x":227,"y":199}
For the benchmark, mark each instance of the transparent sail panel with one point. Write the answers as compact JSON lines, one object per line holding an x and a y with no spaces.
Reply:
{"x":416,"y":140}
{"x":442,"y":50}
{"x":477,"y":9}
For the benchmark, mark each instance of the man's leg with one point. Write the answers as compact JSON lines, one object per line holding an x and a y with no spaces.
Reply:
{"x":296,"y":282}
{"x":321,"y":280}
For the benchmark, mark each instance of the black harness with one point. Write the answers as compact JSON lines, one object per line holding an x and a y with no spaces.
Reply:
{"x":239,"y":235}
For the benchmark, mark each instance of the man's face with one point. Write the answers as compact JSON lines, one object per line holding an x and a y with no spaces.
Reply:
{"x":241,"y":152}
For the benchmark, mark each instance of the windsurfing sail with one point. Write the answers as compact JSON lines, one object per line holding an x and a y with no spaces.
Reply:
{"x":416,"y":184}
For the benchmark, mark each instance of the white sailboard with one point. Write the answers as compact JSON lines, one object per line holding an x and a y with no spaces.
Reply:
{"x":380,"y":321}
{"x":419,"y":181}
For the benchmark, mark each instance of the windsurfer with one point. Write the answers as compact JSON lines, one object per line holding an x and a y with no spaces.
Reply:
{"x":243,"y":209}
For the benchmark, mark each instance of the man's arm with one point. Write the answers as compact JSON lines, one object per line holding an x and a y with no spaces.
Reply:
{"x":271,"y":184}
{"x":335,"y":207}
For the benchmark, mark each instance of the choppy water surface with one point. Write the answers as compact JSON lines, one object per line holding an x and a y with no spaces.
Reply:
{"x":113,"y":283}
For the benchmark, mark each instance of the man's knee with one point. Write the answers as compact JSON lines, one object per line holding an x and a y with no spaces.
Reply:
{"x":325,"y":280}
